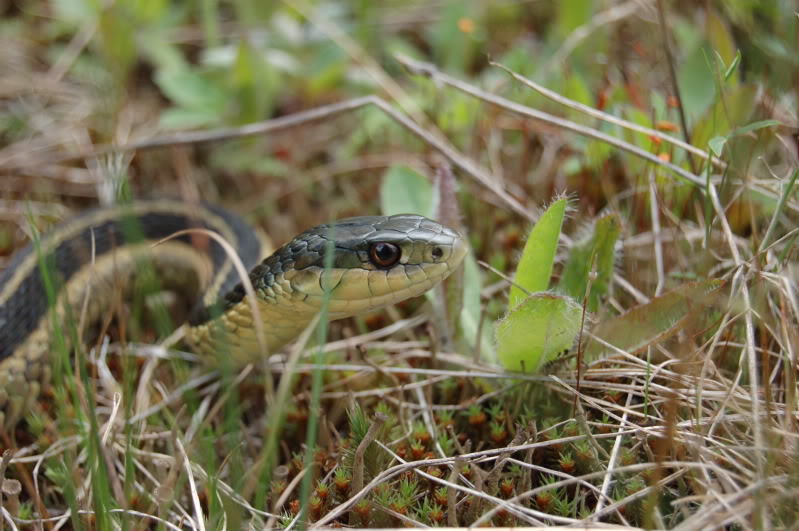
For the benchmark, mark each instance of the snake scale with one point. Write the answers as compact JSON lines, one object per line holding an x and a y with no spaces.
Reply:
{"x":73,"y":274}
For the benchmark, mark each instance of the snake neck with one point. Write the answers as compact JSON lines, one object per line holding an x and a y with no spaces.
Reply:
{"x":232,"y":336}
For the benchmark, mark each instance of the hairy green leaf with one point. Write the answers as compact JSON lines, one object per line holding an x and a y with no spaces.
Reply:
{"x":536,"y":330}
{"x":535,"y":266}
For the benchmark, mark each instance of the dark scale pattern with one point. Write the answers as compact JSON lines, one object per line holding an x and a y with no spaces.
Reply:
{"x":26,"y":307}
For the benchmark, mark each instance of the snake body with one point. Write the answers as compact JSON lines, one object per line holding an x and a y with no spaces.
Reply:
{"x":72,"y":276}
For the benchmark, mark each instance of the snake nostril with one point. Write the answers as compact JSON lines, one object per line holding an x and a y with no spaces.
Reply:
{"x":438,"y":252}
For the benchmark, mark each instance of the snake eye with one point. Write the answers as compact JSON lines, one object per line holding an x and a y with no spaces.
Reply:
{"x":384,"y":254}
{"x":438,"y":252}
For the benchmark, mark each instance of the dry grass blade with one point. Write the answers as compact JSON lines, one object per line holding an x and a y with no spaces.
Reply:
{"x":244,"y":276}
{"x":195,"y":497}
{"x":590,"y":111}
{"x":429,"y":70}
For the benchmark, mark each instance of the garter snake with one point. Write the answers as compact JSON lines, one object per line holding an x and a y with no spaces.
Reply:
{"x":74,"y":272}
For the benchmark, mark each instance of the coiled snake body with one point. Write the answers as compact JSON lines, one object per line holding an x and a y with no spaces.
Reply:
{"x":73,"y":274}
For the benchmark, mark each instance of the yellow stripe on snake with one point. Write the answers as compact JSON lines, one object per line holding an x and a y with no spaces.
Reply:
{"x":73,"y":273}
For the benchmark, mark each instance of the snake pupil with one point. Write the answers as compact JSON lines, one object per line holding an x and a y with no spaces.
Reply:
{"x":384,"y":254}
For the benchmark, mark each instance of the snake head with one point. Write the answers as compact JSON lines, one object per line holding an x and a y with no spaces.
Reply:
{"x":361,"y":263}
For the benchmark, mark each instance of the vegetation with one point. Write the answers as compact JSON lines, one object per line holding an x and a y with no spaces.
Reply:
{"x":633,"y":361}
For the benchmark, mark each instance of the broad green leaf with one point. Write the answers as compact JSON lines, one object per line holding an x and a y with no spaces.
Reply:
{"x":453,"y":44}
{"x":716,"y":145}
{"x":720,"y":118}
{"x":251,"y":77}
{"x":599,"y":252}
{"x":535,"y":266}
{"x":118,"y":40}
{"x":189,"y":89}
{"x":183,"y":118}
{"x":537,"y":330}
{"x":75,"y":11}
{"x":327,"y":69}
{"x":149,"y":10}
{"x":656,"y":320}
{"x":697,"y":86}
{"x":406,"y":191}
{"x":573,"y":14}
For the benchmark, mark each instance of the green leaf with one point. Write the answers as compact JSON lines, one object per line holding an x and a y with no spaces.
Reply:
{"x":716,"y":145}
{"x":75,"y":11}
{"x":695,"y":79}
{"x":406,"y":191}
{"x":251,"y":78}
{"x":598,"y":253}
{"x":183,"y":118}
{"x":118,"y":40}
{"x":536,"y":330}
{"x":189,"y":89}
{"x":327,"y":69}
{"x":719,"y":119}
{"x":754,"y":126}
{"x":452,"y":47}
{"x":656,"y":320}
{"x":470,"y":314}
{"x":573,"y":14}
{"x":535,"y":266}
{"x":733,"y":66}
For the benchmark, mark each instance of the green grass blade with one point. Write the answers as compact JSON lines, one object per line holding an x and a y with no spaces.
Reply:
{"x":598,"y":252}
{"x":786,"y":193}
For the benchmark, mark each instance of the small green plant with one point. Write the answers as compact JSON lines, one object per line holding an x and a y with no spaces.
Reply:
{"x":539,"y":324}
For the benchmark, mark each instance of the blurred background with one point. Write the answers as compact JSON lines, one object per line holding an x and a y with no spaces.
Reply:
{"x":99,"y":98}
{"x":81,"y":74}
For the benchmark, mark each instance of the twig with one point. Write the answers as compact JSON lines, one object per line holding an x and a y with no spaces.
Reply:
{"x":429,"y":70}
{"x":532,"y":436}
{"x":244,"y":276}
{"x":441,"y":144}
{"x":656,"y":240}
{"x":614,"y":455}
{"x":596,"y":113}
{"x":580,"y":417}
{"x":749,"y":351}
{"x":198,"y":510}
{"x":673,"y":75}
{"x":452,"y":494}
{"x":476,"y":502}
{"x":380,"y":418}
{"x":492,"y":480}
{"x":7,"y":455}
{"x":609,"y":16}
